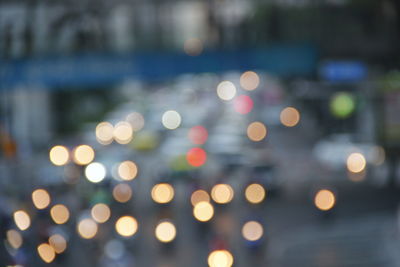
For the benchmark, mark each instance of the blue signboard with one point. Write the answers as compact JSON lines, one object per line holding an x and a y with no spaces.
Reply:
{"x":343,"y":71}
{"x":106,"y":69}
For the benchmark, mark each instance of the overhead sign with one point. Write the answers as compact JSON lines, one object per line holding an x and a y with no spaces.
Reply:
{"x":102,"y":69}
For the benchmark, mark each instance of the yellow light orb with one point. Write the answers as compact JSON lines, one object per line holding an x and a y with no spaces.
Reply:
{"x":220,"y":258}
{"x":59,"y":213}
{"x":165,"y":232}
{"x":58,"y":243}
{"x":171,"y":119}
{"x":249,"y":80}
{"x":83,"y":154}
{"x":59,"y":155}
{"x":14,"y":238}
{"x":290,"y":116}
{"x":101,"y":212}
{"x":46,"y":252}
{"x":87,"y":228}
{"x":255,"y":193}
{"x":198,"y":196}
{"x":95,"y":172}
{"x":104,"y":133}
{"x":324,"y":200}
{"x":40,"y":198}
{"x":126,"y":226}
{"x":226,"y":90}
{"x":252,"y":231}
{"x":356,"y":162}
{"x":162,"y":193}
{"x":122,"y":193}
{"x":127,"y":170}
{"x":222,"y":193}
{"x":256,"y":131}
{"x":203,"y":211}
{"x":22,"y":220}
{"x":136,"y":120}
{"x":123,"y":132}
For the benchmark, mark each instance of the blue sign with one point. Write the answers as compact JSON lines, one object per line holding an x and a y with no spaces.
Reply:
{"x":106,"y":69}
{"x":343,"y":71}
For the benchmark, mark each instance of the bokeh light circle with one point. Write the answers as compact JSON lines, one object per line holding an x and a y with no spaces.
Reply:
{"x":95,"y":172}
{"x":324,"y":200}
{"x":165,"y":231}
{"x":356,"y":162}
{"x":255,"y":193}
{"x":222,"y":193}
{"x":243,"y":104}
{"x":126,"y":226}
{"x":59,"y":155}
{"x":256,"y":131}
{"x":196,"y":157}
{"x":249,"y":80}
{"x":171,"y":119}
{"x":226,"y":90}
{"x":162,"y":193}
{"x":252,"y":231}
{"x":203,"y":211}
{"x":83,"y":154}
{"x":290,"y":116}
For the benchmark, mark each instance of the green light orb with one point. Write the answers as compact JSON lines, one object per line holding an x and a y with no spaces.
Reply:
{"x":342,"y":105}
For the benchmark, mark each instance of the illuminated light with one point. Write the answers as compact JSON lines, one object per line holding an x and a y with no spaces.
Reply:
{"x":255,"y":193}
{"x":357,"y":176}
{"x":58,"y":243}
{"x":162,"y":193}
{"x":203,"y":211}
{"x":95,"y":172}
{"x":127,"y":170}
{"x":87,"y":228}
{"x":342,"y":105}
{"x":22,"y":220}
{"x":324,"y":200}
{"x":14,"y":238}
{"x":249,"y":80}
{"x":171,"y":119}
{"x":256,"y":131}
{"x":199,"y":196}
{"x":198,"y":135}
{"x":101,"y":212}
{"x":356,"y":162}
{"x":252,"y":231}
{"x":40,"y":198}
{"x":165,"y":232}
{"x":104,"y":133}
{"x":220,"y":258}
{"x":59,"y":213}
{"x":123,"y":132}
{"x":193,"y":46}
{"x":136,"y":120}
{"x":59,"y":155}
{"x":290,"y":117}
{"x":122,"y":193}
{"x":226,"y":90}
{"x":196,"y":157}
{"x":243,"y":104}
{"x":83,"y":155}
{"x":126,"y":226}
{"x":222,"y":193}
{"x":46,"y":252}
